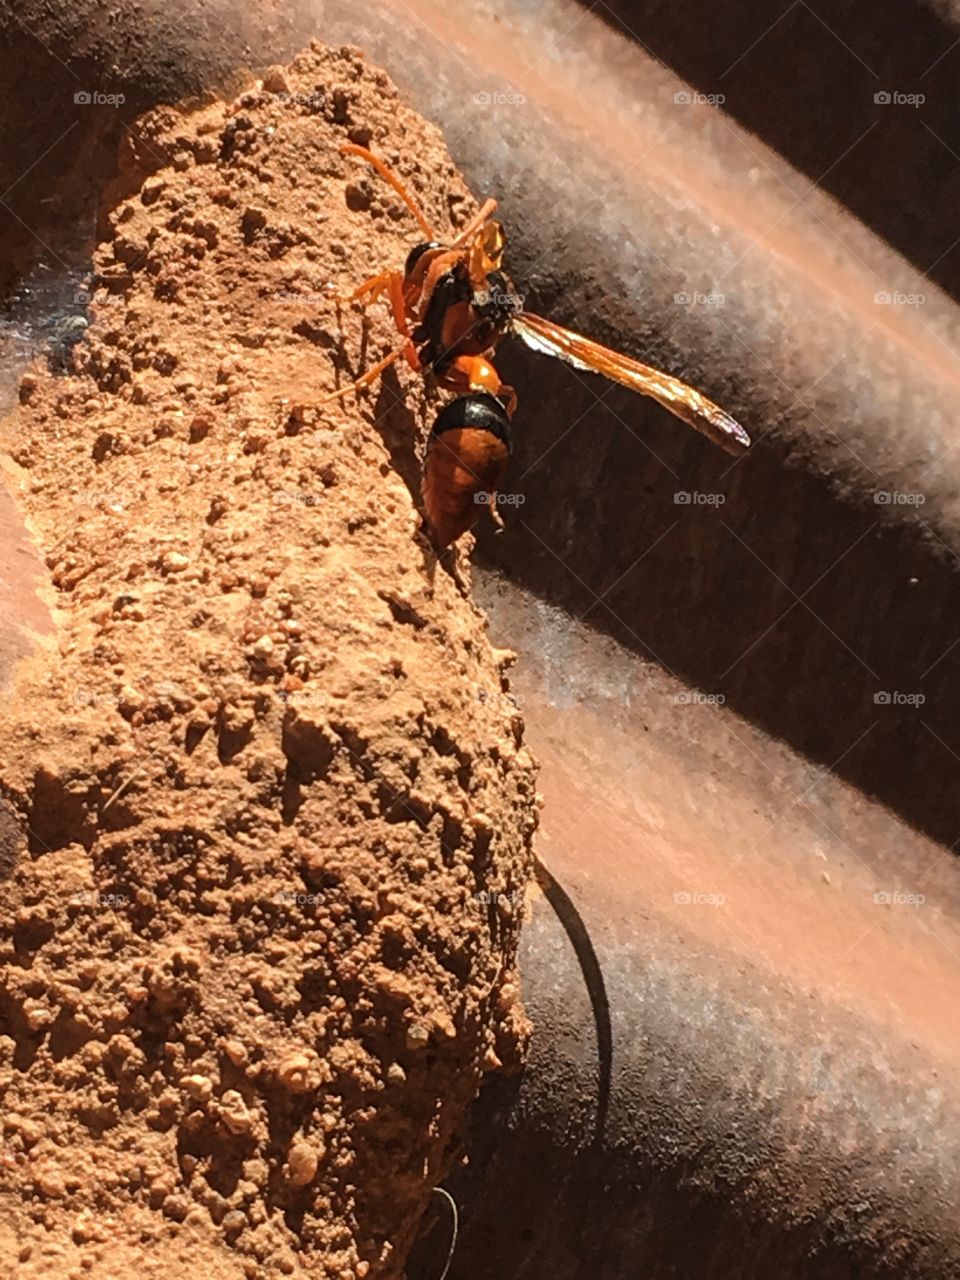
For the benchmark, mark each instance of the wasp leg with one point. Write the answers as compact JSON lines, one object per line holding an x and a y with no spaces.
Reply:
{"x":370,"y":290}
{"x":495,"y":516}
{"x":392,"y":281}
{"x":399,"y":307}
{"x":365,"y":379}
{"x":298,"y":408}
{"x":352,"y":149}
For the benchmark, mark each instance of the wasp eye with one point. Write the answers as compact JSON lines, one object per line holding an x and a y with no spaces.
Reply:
{"x":417,"y":252}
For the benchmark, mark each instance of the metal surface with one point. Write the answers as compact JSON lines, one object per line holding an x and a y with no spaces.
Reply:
{"x":776,"y":1075}
{"x":817,"y":82}
{"x":742,"y":979}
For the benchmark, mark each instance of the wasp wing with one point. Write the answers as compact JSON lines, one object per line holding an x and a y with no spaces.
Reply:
{"x":684,"y":402}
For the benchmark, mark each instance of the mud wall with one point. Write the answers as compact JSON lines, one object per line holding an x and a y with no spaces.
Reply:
{"x":265,"y":841}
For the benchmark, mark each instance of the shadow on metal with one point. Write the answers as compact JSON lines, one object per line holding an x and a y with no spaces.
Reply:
{"x":773,"y":1093}
{"x":816,"y":81}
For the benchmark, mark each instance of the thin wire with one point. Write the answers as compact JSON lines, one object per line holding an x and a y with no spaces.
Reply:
{"x":456,"y":1229}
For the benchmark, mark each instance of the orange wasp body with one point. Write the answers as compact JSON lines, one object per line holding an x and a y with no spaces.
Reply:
{"x":452,"y":304}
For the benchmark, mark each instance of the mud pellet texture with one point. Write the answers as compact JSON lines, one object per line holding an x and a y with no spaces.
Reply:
{"x":272,"y":831}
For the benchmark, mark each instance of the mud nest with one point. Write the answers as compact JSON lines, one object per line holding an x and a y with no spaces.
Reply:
{"x":267,"y":820}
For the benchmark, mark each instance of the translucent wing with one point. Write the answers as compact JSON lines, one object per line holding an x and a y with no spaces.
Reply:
{"x":687,"y":404}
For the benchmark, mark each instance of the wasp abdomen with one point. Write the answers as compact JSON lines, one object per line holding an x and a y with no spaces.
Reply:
{"x":469,"y":448}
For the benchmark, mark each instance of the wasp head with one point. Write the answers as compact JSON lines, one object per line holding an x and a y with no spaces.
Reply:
{"x":486,"y":253}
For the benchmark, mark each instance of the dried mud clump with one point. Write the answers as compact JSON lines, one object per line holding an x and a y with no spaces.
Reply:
{"x":259,"y":935}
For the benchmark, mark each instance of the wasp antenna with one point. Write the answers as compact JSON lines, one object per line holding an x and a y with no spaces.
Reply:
{"x":385,"y":172}
{"x":487,"y":209}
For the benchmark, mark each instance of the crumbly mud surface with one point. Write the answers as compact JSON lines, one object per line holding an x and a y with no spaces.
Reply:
{"x":267,"y":818}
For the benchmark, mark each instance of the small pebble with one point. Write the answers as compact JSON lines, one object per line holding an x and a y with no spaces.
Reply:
{"x":302,"y":1162}
{"x":418,"y":1036}
{"x":275,"y":80}
{"x":200,"y":1088}
{"x":295,"y":1072}
{"x":234,"y":1114}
